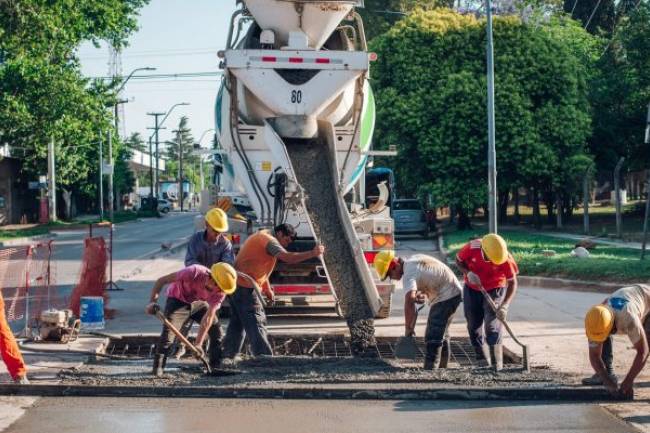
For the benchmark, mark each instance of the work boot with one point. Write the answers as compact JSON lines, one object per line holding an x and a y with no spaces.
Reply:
{"x":595,"y":380}
{"x":432,"y":357}
{"x":446,"y":353}
{"x":496,"y":356}
{"x":159,"y":362}
{"x":482,"y":356}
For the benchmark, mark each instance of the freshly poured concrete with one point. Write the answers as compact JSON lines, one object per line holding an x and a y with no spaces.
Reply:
{"x":110,"y":415}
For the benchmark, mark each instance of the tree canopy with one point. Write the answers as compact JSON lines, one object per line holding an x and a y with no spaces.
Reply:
{"x":438,"y":116}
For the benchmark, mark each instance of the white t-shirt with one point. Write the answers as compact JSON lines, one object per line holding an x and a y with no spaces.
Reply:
{"x":631,"y":306}
{"x":431,"y":277}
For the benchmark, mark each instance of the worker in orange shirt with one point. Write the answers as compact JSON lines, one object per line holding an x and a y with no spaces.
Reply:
{"x":256,"y":260}
{"x":486,"y":263}
{"x":9,"y":350}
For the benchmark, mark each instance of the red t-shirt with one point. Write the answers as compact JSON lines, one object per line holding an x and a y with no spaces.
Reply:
{"x":492,"y":276}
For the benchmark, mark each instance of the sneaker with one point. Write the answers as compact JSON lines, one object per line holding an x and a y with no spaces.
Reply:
{"x":596,"y":380}
{"x":21,"y":380}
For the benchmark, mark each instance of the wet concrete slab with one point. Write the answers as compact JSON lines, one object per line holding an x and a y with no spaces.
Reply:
{"x":100,"y":415}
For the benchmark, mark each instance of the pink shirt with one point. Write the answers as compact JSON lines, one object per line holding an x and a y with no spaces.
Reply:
{"x":189,"y":286}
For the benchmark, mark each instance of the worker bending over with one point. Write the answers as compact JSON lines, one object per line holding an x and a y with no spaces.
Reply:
{"x":486,"y":263}
{"x":206,"y":248}
{"x":425,"y":277}
{"x":626,"y":311}
{"x":257,"y":259}
{"x":194,"y":292}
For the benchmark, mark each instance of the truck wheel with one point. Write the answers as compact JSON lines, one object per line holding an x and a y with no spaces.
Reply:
{"x":384,"y":311}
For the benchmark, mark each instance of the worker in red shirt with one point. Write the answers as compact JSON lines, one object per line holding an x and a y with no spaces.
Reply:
{"x":486,"y":262}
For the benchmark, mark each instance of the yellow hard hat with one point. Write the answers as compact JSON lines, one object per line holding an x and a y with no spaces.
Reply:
{"x":598,"y":323}
{"x":494,"y":248}
{"x":382,"y":262}
{"x":225,"y":276}
{"x":217,"y":219}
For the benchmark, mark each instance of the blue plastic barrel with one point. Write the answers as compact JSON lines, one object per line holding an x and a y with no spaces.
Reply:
{"x":92,"y":312}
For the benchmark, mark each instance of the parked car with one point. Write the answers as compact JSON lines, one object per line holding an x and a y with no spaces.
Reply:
{"x":164,"y":206}
{"x":410,"y":217}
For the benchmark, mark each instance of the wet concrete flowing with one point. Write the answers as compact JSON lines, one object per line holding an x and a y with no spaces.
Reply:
{"x":311,"y":164}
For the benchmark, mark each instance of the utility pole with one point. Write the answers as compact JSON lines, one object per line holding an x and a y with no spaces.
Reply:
{"x":492,"y":159}
{"x":180,"y":165}
{"x":101,"y":178}
{"x":110,"y":177}
{"x":150,"y":169}
{"x":156,"y":128}
{"x":647,"y":191}
{"x":51,"y":172}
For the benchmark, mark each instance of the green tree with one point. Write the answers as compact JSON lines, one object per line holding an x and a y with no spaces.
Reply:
{"x":621,"y":92}
{"x":380,"y":15}
{"x":44,"y":96}
{"x":431,"y":97}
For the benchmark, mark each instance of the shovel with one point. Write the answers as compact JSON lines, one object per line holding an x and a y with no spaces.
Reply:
{"x":199,"y":354}
{"x":406,"y":347}
{"x":524,"y":347}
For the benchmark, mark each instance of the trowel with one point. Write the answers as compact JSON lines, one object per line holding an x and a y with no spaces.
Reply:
{"x":406,"y":347}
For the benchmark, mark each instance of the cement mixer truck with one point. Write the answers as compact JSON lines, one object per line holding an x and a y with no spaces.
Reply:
{"x":295,"y":116}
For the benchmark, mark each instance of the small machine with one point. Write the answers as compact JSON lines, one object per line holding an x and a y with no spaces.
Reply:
{"x":58,"y":325}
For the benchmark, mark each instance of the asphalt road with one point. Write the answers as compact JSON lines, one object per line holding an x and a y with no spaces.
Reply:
{"x":131,"y":241}
{"x":64,"y":415}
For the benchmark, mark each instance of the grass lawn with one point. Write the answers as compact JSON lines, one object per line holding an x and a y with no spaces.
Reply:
{"x":605,"y":263}
{"x":119,"y":217}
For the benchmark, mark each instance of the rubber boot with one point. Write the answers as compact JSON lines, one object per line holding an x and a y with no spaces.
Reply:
{"x":159,"y":362}
{"x":446,"y":353}
{"x":482,"y":356}
{"x":432,"y":357}
{"x":496,"y":357}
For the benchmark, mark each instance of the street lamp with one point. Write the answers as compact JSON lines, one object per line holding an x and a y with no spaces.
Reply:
{"x":119,"y":89}
{"x":158,"y":125}
{"x":198,"y":144}
{"x":492,"y":160}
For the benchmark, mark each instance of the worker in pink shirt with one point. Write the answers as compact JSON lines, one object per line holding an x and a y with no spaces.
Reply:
{"x":196,"y":293}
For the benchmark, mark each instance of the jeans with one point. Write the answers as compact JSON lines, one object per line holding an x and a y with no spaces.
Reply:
{"x":178,"y":312}
{"x":479,"y":313}
{"x":247,"y":317}
{"x":439,"y":320}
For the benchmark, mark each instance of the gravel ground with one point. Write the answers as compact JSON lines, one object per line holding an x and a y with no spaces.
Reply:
{"x":306,"y":370}
{"x":311,"y":164}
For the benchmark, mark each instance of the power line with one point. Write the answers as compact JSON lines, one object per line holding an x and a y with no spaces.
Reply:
{"x":178,"y":75}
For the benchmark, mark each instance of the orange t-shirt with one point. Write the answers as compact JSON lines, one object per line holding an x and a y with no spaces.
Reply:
{"x":254,"y":260}
{"x":492,"y":276}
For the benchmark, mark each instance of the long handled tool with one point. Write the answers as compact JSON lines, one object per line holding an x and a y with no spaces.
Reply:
{"x":406,"y":347}
{"x":525,"y":354}
{"x":199,"y":354}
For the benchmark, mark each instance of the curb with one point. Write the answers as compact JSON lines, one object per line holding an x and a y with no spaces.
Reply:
{"x":394,"y":392}
{"x":26,"y":240}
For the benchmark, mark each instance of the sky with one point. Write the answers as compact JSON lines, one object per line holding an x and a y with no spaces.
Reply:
{"x":174,"y":36}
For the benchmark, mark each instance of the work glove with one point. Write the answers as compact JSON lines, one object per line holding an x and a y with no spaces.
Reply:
{"x":473,"y":279}
{"x":318,"y":250}
{"x":502,"y":312}
{"x":420,"y":298}
{"x":151,"y":308}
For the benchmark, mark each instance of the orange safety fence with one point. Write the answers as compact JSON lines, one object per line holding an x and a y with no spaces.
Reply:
{"x":92,"y":278}
{"x":27,"y":282}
